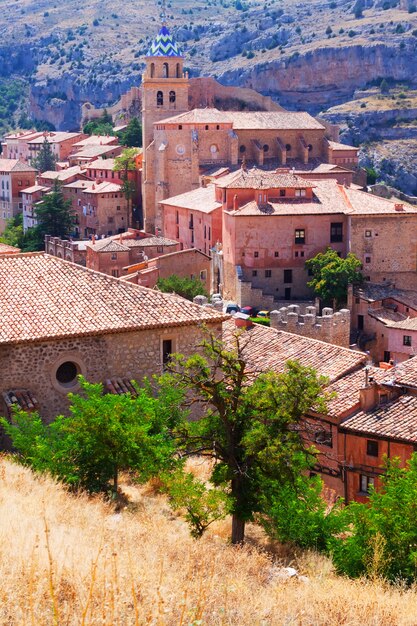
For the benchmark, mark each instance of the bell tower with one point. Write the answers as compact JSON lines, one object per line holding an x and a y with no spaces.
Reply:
{"x":164,"y":94}
{"x":164,"y":84}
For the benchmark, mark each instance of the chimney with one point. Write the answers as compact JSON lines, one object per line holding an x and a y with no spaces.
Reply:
{"x":244,"y":166}
{"x":235,"y":203}
{"x":93,"y":239}
{"x":368,"y":396}
{"x":399,"y":206}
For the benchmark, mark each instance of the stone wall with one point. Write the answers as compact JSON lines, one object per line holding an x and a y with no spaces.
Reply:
{"x":329,"y":327}
{"x":133,"y":355}
{"x":65,"y":249}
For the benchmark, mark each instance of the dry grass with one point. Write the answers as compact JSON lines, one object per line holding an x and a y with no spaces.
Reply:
{"x":70,"y":560}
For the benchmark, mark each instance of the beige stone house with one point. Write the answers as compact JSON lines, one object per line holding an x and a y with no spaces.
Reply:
{"x":59,"y":320}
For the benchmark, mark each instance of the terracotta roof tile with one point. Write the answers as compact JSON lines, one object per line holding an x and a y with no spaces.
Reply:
{"x":396,"y":420}
{"x":14,"y":165}
{"x":201,"y":199}
{"x":256,"y":178}
{"x":6,"y":249}
{"x":347,"y":389}
{"x":404,"y":374}
{"x":269,"y":349}
{"x":250,"y":120}
{"x":43,"y":297}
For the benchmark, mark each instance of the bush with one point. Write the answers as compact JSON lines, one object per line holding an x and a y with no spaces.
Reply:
{"x":186,"y":287}
{"x":263,"y":321}
{"x":383,"y":534}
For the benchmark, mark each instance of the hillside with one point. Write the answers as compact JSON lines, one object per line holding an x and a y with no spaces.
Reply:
{"x":72,"y":53}
{"x":72,"y":560}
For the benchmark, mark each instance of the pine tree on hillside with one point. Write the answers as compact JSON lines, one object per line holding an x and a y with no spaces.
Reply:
{"x":46,"y":159}
{"x":54,"y":215}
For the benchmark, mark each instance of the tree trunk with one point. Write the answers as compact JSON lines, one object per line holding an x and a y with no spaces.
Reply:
{"x":238,"y":529}
{"x":115,"y":480}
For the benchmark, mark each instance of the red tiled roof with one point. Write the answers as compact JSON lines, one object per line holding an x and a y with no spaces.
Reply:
{"x":347,"y":389}
{"x":255,"y":178}
{"x":202,"y":199}
{"x":404,"y":374}
{"x":269,"y":349}
{"x":396,"y":420}
{"x":248,"y":120}
{"x":14,"y":165}
{"x":6,"y":249}
{"x":43,"y":297}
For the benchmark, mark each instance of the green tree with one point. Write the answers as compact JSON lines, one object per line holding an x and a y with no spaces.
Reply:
{"x":382,"y":538}
{"x":132,"y":135}
{"x":183,"y":286}
{"x":124,"y":164}
{"x":13,"y":235}
{"x":54,"y":215}
{"x":250,"y":426}
{"x":202,"y":505}
{"x":297,"y":513}
{"x":331,"y":275}
{"x":384,"y":87}
{"x":103,"y":435}
{"x":102,"y":125}
{"x":46,"y":159}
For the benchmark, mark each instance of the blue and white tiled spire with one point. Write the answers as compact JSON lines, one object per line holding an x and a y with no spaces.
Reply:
{"x":164,"y":44}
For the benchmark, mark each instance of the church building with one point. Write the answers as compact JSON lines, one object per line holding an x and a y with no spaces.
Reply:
{"x":182,"y":143}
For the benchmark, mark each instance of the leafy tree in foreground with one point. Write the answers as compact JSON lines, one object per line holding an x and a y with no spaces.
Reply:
{"x":332,"y":275}
{"x":46,"y":159}
{"x":250,"y":425}
{"x":54,"y":215}
{"x":186,"y":287}
{"x":297,"y":513}
{"x":100,"y":126}
{"x":104,"y":435}
{"x":383,"y":533}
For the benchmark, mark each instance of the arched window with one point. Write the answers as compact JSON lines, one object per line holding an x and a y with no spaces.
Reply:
{"x":152,"y":70}
{"x":159,"y":99}
{"x":172,"y":96}
{"x":310,"y":147}
{"x":288,"y":147}
{"x":242,"y":149}
{"x":165,"y":70}
{"x":266,"y":147}
{"x":178,"y":70}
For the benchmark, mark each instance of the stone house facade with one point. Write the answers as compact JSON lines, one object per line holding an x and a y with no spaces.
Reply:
{"x":72,"y":321}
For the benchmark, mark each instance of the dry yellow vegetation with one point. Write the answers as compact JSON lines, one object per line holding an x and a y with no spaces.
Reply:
{"x":69,"y":560}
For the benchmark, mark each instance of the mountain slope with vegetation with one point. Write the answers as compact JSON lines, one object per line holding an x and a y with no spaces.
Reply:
{"x":304,"y":56}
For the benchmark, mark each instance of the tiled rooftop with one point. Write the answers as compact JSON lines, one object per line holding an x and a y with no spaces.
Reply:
{"x":6,"y":249}
{"x":63,"y":174}
{"x":107,"y":245}
{"x":149,"y":242}
{"x":341,"y":146}
{"x":387,"y":316}
{"x":373,"y":292}
{"x":43,"y":297}
{"x":201,"y":199}
{"x":14,"y":165}
{"x":35,"y":188}
{"x":94,"y":151}
{"x":404,"y":374}
{"x":269,"y":349}
{"x":347,"y":389}
{"x":95,"y":140}
{"x":248,"y":120}
{"x":259,"y":179}
{"x":54,"y":137}
{"x":363,"y":203}
{"x":396,"y":420}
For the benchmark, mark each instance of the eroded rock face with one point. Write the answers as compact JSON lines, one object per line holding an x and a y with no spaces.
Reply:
{"x":327,"y":76}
